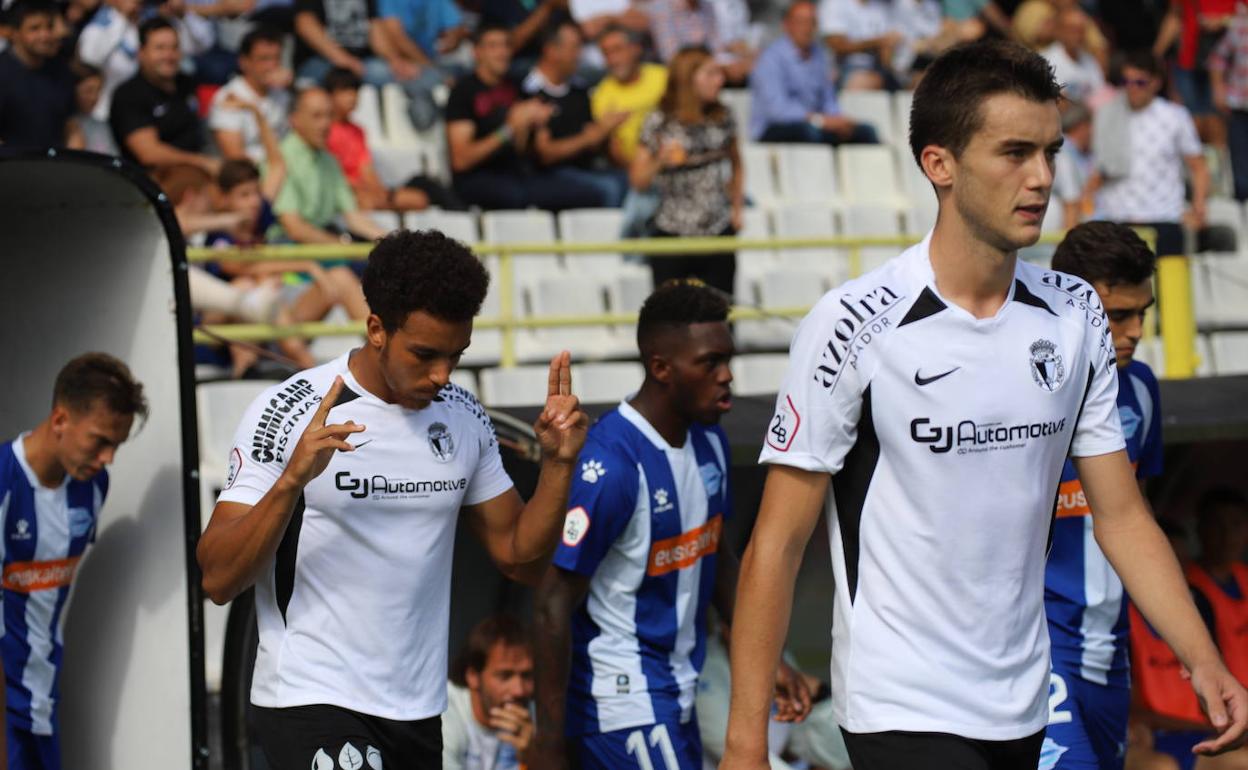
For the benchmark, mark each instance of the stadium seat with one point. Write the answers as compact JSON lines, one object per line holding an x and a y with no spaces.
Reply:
{"x":606,"y":382}
{"x":582,"y":295}
{"x":811,"y":221}
{"x":486,"y":346}
{"x":395,"y":120}
{"x":867,"y":219}
{"x":752,"y":263}
{"x":807,"y":173}
{"x":1230,"y":352}
{"x":738,"y":101}
{"x":758,"y":374}
{"x":1204,"y":356}
{"x":395,"y":165}
{"x":514,"y":386}
{"x":782,"y":288}
{"x":626,"y":295}
{"x":868,"y":174}
{"x":460,"y":225}
{"x":466,"y":379}
{"x":367,"y":116}
{"x":760,"y":178}
{"x":593,"y":226}
{"x":526,"y":226}
{"x":902,"y":100}
{"x":1226,"y":213}
{"x":390,"y":220}
{"x":920,"y":195}
{"x":874,"y":107}
{"x":1228,"y":290}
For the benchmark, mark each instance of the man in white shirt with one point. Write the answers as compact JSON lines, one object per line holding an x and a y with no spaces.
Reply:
{"x":261,"y":81}
{"x":1076,"y":69}
{"x":488,"y":725}
{"x":864,"y":36}
{"x":937,"y":398}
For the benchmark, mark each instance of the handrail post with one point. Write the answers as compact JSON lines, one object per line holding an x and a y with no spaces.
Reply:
{"x":855,"y":260}
{"x":1178,"y":322}
{"x":506,"y":305}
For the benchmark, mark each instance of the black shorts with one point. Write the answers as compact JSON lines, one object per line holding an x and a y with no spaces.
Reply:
{"x":333,"y":738}
{"x":920,"y":751}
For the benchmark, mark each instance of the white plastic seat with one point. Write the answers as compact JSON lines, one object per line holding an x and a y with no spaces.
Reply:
{"x":811,"y":221}
{"x":592,"y":226}
{"x":760,"y":177}
{"x":874,"y":107}
{"x":752,"y":263}
{"x":1228,"y":285}
{"x":868,"y":174}
{"x":389,"y":220}
{"x":902,"y":101}
{"x":920,"y":195}
{"x":1227,"y":213}
{"x":367,"y":115}
{"x":780,"y":289}
{"x":1230,"y":352}
{"x":526,"y":226}
{"x":874,"y":220}
{"x":514,"y":386}
{"x":395,"y":120}
{"x":625,"y":295}
{"x":738,"y":101}
{"x":395,"y":165}
{"x":606,"y":382}
{"x":807,"y":173}
{"x":460,"y":225}
{"x":758,"y":374}
{"x":486,"y":346}
{"x":564,"y":296}
{"x":466,"y":379}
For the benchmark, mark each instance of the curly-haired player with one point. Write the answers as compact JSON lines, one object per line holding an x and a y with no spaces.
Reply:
{"x":345,"y":485}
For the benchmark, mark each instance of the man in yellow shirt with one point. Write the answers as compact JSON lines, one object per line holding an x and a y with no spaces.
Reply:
{"x":630,"y":86}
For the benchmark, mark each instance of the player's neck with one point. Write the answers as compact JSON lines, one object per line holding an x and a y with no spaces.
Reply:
{"x":659,"y":411}
{"x":971,"y":273}
{"x":365,"y":367}
{"x":40,"y":456}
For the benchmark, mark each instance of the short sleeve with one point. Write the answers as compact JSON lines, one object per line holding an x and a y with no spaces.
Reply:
{"x":815,"y":423}
{"x":128,"y":113}
{"x":255,"y":460}
{"x":223,"y":119}
{"x":1189,"y":140}
{"x":1099,"y":431}
{"x":459,"y":103}
{"x":489,"y":479}
{"x":601,"y":502}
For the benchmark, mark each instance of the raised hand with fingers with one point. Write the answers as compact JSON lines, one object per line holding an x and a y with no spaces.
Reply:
{"x":561,"y":427}
{"x":319,"y":441}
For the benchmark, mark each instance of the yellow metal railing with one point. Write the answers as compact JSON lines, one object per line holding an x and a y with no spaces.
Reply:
{"x":1173,"y":281}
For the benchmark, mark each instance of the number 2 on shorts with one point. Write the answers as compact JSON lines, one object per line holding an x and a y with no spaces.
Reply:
{"x":636,"y":746}
{"x":1057,"y":696}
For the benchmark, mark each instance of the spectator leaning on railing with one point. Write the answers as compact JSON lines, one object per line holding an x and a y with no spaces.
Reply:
{"x":262,"y":82}
{"x":36,"y":88}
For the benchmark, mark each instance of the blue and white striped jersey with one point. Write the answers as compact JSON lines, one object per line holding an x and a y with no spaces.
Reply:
{"x":644,"y":521}
{"x":1083,"y":597}
{"x":44,"y":533}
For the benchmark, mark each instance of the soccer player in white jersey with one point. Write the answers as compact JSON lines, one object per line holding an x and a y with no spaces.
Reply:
{"x":52,"y":484}
{"x":937,"y":398}
{"x":346,"y":483}
{"x":621,"y":616}
{"x":1090,"y":689}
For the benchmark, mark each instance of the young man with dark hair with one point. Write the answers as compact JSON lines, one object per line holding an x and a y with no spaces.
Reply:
{"x":152,"y":119}
{"x":937,"y":398}
{"x":263,"y":82}
{"x":1085,"y":605}
{"x":621,"y":616}
{"x":52,"y":485}
{"x":36,"y":87}
{"x":487,"y":724}
{"x":349,"y":543}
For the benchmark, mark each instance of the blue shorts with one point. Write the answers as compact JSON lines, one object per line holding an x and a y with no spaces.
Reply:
{"x":654,"y":747}
{"x":28,"y":751}
{"x":1087,"y":724}
{"x":1178,"y":744}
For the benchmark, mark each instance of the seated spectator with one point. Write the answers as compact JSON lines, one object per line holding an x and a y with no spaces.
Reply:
{"x":490,"y":129}
{"x":1074,"y":166}
{"x":523,"y":21}
{"x":316,"y":193}
{"x":110,"y":44}
{"x":152,"y":119}
{"x":262,"y":82}
{"x":1074,"y":66}
{"x":679,"y":24}
{"x":212,"y":62}
{"x":348,"y":144}
{"x":36,"y":88}
{"x":864,"y":37}
{"x":424,"y":32}
{"x":631,"y":86}
{"x":347,"y":34}
{"x":96,"y":134}
{"x":572,"y":144}
{"x":794,"y":96}
{"x":488,"y":723}
{"x":688,"y":150}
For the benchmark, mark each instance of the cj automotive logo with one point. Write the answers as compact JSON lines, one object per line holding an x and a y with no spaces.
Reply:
{"x":970,"y":438}
{"x":382,"y":488}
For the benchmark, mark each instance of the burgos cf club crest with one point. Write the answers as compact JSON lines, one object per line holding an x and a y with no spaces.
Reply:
{"x":1047,"y":368}
{"x":441,"y":443}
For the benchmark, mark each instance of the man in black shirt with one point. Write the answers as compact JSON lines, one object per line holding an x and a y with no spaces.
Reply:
{"x":490,"y":130}
{"x":571,"y":147}
{"x":152,"y":119}
{"x":36,"y":88}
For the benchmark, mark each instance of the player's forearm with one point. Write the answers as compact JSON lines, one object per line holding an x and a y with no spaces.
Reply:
{"x":537,"y":529}
{"x":232,"y":552}
{"x":552,"y":654}
{"x":1143,"y":558}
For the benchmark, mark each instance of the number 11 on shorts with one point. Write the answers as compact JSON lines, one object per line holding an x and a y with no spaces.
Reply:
{"x":659,"y":739}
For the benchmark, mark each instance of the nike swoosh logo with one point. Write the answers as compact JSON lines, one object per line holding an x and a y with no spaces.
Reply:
{"x":363,"y":443}
{"x":921,"y":380}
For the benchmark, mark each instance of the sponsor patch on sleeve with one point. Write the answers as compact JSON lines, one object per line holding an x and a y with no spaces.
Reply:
{"x":236,"y":465}
{"x":575,"y":525}
{"x":783,"y":426}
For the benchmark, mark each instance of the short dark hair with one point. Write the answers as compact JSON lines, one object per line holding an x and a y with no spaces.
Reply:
{"x":615,"y":28}
{"x":677,"y":303}
{"x":98,"y":377}
{"x":550,"y":33}
{"x":1105,"y":252}
{"x":423,"y":271}
{"x":236,"y":171}
{"x":83,"y":71}
{"x":261,"y":34}
{"x":341,"y":79}
{"x":946,"y":109}
{"x":152,"y":25}
{"x":485,"y":29}
{"x":505,"y":629}
{"x":1143,"y":59}
{"x":22,"y":10}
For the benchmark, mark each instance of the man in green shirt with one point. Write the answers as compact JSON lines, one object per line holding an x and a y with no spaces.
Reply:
{"x":316,"y":192}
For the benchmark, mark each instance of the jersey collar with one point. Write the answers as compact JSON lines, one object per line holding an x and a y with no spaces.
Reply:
{"x":642,"y":424}
{"x":19,"y":451}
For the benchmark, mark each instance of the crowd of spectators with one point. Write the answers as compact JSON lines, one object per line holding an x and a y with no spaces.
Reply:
{"x":562,"y":104}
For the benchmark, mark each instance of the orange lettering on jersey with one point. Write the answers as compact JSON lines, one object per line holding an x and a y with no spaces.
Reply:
{"x":1071,"y":501}
{"x":685,"y":549}
{"x":29,"y":576}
